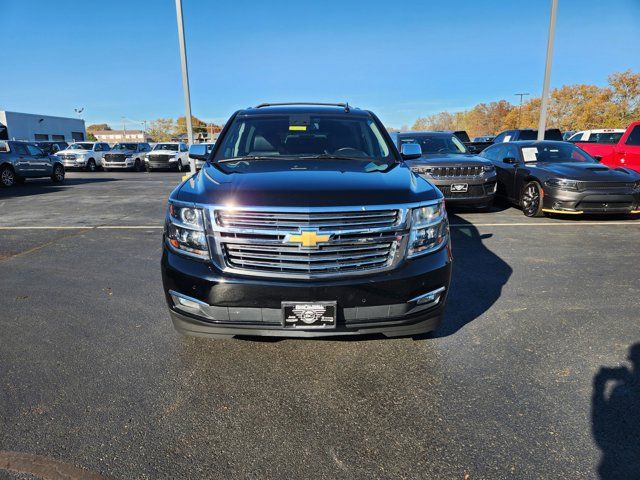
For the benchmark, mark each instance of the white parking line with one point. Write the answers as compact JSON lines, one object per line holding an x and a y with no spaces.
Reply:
{"x":452,"y":225}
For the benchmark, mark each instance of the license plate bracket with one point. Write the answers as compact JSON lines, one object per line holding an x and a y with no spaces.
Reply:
{"x":459,"y":187}
{"x":309,"y":315}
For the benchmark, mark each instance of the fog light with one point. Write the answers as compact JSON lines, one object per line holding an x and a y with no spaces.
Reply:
{"x":432,"y":297}
{"x":188,"y":304}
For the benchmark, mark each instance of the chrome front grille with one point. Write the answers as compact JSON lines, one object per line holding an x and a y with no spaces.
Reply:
{"x":265,"y":242}
{"x":450,"y":172}
{"x":285,"y":221}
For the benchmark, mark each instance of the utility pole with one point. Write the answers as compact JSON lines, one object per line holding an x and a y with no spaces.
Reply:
{"x":520,"y":108}
{"x":124,"y":129}
{"x":544,"y":105}
{"x":185,"y":79}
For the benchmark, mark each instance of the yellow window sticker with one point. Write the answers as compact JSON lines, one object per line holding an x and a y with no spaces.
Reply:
{"x":302,"y":128}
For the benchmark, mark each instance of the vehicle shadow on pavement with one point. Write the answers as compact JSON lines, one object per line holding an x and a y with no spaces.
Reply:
{"x":42,"y":186}
{"x":615,"y":417}
{"x":477,"y":279}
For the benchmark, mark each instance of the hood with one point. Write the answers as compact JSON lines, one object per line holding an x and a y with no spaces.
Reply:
{"x":163,"y":152}
{"x":72,"y":152}
{"x":335,"y":184}
{"x":587,"y":171}
{"x":449,"y":160}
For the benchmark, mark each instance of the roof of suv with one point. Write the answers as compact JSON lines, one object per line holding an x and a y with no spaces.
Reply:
{"x":303,"y":108}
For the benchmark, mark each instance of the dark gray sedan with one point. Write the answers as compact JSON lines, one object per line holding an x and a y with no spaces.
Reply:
{"x":22,"y":160}
{"x":558,"y":177}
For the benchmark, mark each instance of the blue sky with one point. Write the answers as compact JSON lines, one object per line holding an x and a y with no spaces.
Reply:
{"x":402,"y":60}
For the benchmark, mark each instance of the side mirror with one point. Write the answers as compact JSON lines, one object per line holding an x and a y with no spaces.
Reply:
{"x":411,"y":151}
{"x":598,"y":158}
{"x":198,"y":152}
{"x":509,"y":160}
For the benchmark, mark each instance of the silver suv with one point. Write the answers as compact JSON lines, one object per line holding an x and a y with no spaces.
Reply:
{"x":22,"y":160}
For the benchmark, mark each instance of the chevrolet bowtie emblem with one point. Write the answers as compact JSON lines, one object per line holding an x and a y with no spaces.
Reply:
{"x":307,"y":239}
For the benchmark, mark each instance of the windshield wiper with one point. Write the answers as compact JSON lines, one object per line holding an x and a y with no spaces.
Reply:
{"x":248,"y":158}
{"x":328,"y":156}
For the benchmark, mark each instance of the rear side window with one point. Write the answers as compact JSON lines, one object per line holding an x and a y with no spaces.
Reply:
{"x":634,"y":136}
{"x":528,"y":135}
{"x":20,"y":148}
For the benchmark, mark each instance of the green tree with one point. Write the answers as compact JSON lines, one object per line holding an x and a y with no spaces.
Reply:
{"x":96,"y":127}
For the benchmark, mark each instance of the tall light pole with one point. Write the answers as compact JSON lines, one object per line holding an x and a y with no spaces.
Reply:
{"x":520,"y":107}
{"x":124,"y":129}
{"x":185,"y":79}
{"x":544,"y":105}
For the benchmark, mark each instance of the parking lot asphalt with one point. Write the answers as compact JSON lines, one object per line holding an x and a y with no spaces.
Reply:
{"x":94,"y":379}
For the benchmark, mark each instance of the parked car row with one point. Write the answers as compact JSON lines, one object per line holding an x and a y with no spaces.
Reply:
{"x":550,"y":176}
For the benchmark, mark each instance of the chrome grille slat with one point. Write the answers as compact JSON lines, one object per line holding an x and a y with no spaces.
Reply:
{"x":309,"y":267}
{"x":307,"y":257}
{"x":258,"y":242}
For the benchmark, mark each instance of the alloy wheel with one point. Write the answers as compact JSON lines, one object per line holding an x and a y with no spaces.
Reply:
{"x":8,"y":178}
{"x":530,"y":200}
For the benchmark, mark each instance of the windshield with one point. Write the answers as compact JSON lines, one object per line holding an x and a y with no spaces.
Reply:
{"x":298,"y":136}
{"x":124,"y":146}
{"x":166,"y":146}
{"x":436,"y":143}
{"x":81,"y":146}
{"x":555,"y":153}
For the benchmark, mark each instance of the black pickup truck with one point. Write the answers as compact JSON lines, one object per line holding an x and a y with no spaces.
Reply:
{"x":305,"y":221}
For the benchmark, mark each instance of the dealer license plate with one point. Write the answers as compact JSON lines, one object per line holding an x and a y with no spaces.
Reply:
{"x":459,"y":187}
{"x":315,"y":315}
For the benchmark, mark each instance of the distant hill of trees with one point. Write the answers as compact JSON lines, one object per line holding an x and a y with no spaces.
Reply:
{"x":572,"y":107}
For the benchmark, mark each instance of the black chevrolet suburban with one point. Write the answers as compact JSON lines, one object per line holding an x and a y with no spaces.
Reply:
{"x":305,"y":222}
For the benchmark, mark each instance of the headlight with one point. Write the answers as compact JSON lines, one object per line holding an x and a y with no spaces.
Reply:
{"x":185,"y":231}
{"x":562,"y":184}
{"x":488,"y":168}
{"x":429,"y":229}
{"x":421,"y":169}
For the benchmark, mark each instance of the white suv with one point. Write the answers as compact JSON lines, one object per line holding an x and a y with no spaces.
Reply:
{"x":85,"y":155}
{"x":168,"y":156}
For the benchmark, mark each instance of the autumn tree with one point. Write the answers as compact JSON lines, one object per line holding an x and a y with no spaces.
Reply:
{"x":198,"y":125}
{"x":162,"y":129}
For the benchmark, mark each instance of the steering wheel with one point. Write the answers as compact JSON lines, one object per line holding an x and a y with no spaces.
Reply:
{"x":350,"y":152}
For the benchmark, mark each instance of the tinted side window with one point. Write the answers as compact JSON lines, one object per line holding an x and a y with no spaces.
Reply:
{"x":492,"y":153}
{"x":634,"y":136}
{"x":509,"y":151}
{"x":33,"y":150}
{"x":19,"y":148}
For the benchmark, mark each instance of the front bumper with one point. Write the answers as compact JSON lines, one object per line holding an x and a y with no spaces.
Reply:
{"x":589,"y":202}
{"x":236,"y":305}
{"x":73,"y":163}
{"x":480,"y":190}
{"x":123,"y":165}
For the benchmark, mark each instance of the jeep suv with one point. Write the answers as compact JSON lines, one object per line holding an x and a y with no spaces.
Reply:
{"x":305,"y":222}
{"x":22,"y":160}
{"x":126,"y":156}
{"x":85,"y":155}
{"x":463,"y":178}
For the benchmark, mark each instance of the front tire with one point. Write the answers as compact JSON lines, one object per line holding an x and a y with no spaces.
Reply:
{"x":180,"y":168}
{"x":531,"y":199}
{"x":91,"y":165}
{"x":137,"y":166}
{"x":7,"y":177}
{"x":58,"y":174}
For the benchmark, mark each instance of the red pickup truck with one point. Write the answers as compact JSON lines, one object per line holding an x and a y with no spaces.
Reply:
{"x":625,"y":153}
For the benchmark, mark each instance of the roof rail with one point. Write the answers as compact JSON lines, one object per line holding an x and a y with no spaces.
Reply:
{"x":343,"y":105}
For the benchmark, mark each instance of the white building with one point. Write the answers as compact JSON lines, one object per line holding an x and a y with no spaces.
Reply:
{"x":115,"y":136}
{"x":32,"y":127}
